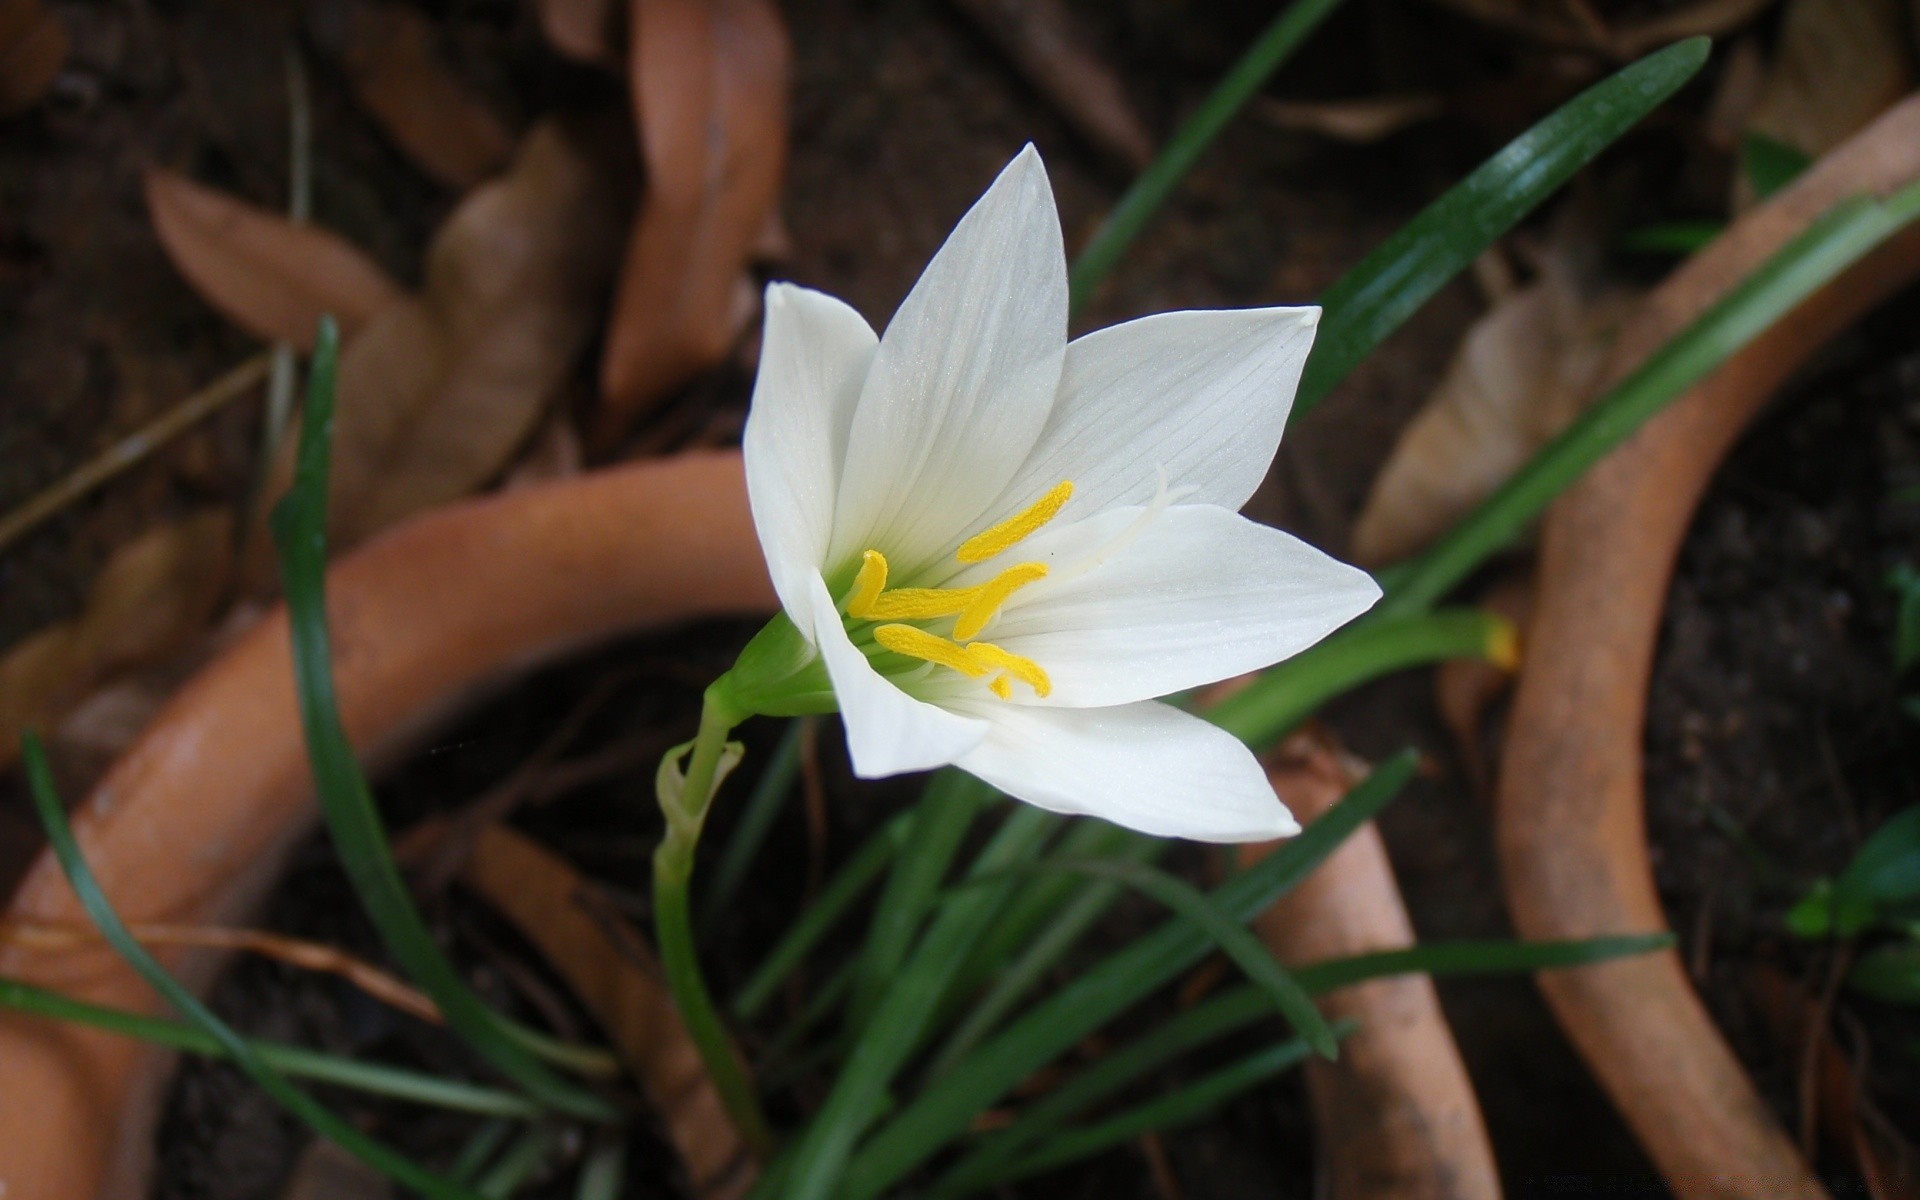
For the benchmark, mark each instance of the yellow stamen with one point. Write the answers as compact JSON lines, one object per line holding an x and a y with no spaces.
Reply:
{"x":868,"y":584}
{"x":991,"y":595}
{"x":989,"y":656}
{"x":1017,"y":528}
{"x":1001,"y":687}
{"x":918,"y":643}
{"x":917,"y":604}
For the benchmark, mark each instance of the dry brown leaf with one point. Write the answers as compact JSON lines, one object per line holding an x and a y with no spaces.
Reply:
{"x":271,"y":276}
{"x":1836,"y":67}
{"x":1046,"y":44}
{"x":1466,"y":689}
{"x":1358,"y":121}
{"x":33,"y":48}
{"x":1574,"y":25}
{"x":710,"y":92}
{"x":438,"y":391}
{"x":391,"y":57}
{"x":589,"y":31}
{"x":613,"y":972}
{"x":1524,"y":370}
{"x":155,"y":593}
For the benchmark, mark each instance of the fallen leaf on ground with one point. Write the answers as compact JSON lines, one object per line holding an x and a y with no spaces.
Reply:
{"x":1574,"y":25}
{"x":272,"y":276}
{"x":1466,"y":689}
{"x":1525,"y":369}
{"x":438,"y":391}
{"x":710,"y":93}
{"x":155,"y":593}
{"x":589,"y":31}
{"x":1358,"y":121}
{"x":1835,"y":68}
{"x":391,"y":56}
{"x":33,"y":48}
{"x":614,"y":973}
{"x":1047,"y":46}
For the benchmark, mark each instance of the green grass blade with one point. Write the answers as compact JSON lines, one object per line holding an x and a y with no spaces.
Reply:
{"x":939,"y":821}
{"x":299,"y":527}
{"x":859,"y":1094}
{"x":1130,"y":215}
{"x":937,"y":1116}
{"x":1231,"y":1011}
{"x":756,"y":819}
{"x":1809,"y":262}
{"x":100,"y":911}
{"x":1189,"y":1103}
{"x":1247,"y":951}
{"x":294,"y":1062}
{"x":817,"y":920}
{"x":1390,"y":284}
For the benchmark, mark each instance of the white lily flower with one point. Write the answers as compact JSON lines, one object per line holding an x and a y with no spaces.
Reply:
{"x":1002,"y":545}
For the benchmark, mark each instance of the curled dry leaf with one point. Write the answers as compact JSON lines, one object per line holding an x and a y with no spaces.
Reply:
{"x":155,"y":593}
{"x":33,"y":48}
{"x":1570,"y":819}
{"x":610,"y":967}
{"x":1525,"y":370}
{"x":273,"y":277}
{"x":1835,"y":68}
{"x":1361,"y":121}
{"x":1467,"y":689}
{"x":1574,"y":25}
{"x":1395,"y":1114}
{"x":437,"y":392}
{"x":391,"y":56}
{"x":710,"y":93}
{"x":1046,"y":44}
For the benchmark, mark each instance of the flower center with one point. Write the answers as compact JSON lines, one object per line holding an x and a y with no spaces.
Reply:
{"x":972,"y":607}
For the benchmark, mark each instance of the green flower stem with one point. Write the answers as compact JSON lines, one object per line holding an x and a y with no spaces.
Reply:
{"x":295,"y":1062}
{"x":1143,"y":199}
{"x":685,"y":807}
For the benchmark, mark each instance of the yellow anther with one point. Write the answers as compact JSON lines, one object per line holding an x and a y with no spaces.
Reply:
{"x":918,"y":643}
{"x":1017,"y":528}
{"x":989,"y":596}
{"x":917,"y":604}
{"x":991,"y":657}
{"x":868,"y":584}
{"x":1002,"y":687}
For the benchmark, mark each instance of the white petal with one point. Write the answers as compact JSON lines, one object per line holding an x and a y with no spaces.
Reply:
{"x":1203,"y":394}
{"x":1200,"y":594}
{"x":1147,"y":766}
{"x":888,"y":731}
{"x":963,"y":380}
{"x":814,"y":356}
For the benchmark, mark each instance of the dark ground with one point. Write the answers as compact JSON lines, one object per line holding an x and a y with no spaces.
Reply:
{"x":1773,"y":742}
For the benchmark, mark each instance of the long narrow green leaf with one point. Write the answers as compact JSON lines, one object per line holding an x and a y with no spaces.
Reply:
{"x":1189,"y":1103}
{"x":100,"y":911}
{"x":937,"y":1116}
{"x":813,"y":1169}
{"x":299,"y":527}
{"x":1273,"y":47}
{"x":1805,"y":265}
{"x":940,"y":821}
{"x":1231,"y":1011}
{"x":817,"y":919}
{"x":1390,"y":284}
{"x":1247,"y":951}
{"x":295,"y":1062}
{"x":756,"y":819}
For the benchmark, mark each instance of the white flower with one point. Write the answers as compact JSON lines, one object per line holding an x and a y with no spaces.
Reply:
{"x":1004,"y":545}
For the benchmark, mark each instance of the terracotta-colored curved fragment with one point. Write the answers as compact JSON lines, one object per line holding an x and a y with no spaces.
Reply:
{"x":1571,"y":826}
{"x":1395,"y":1114}
{"x":191,"y":824}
